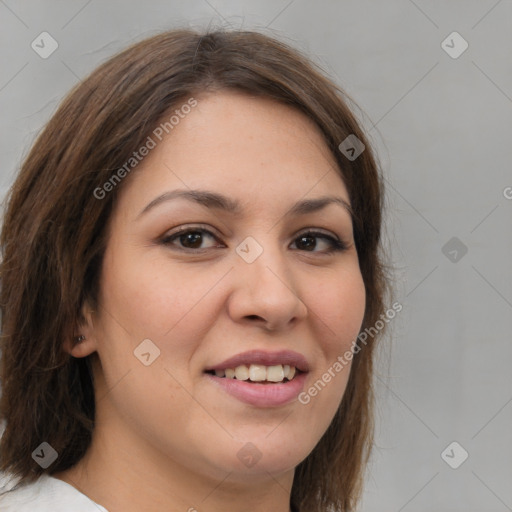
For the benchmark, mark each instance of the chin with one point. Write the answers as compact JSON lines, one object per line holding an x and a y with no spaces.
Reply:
{"x":261,"y":456}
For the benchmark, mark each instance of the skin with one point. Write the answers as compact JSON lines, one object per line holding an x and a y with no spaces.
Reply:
{"x":166,"y":438}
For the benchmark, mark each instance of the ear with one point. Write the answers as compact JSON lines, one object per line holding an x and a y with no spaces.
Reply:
{"x":83,"y":342}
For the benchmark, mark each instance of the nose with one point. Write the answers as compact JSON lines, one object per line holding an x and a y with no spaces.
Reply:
{"x":265,"y":292}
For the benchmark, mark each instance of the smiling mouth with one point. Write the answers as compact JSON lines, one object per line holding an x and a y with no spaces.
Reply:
{"x":258,"y":374}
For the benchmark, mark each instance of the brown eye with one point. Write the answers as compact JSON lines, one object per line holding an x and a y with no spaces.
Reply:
{"x":191,"y":239}
{"x":308,"y":242}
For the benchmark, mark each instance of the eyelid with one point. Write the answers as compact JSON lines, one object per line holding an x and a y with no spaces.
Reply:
{"x":313,"y":229}
{"x":191,"y":227}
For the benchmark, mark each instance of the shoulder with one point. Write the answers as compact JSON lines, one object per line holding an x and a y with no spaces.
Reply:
{"x":46,"y":494}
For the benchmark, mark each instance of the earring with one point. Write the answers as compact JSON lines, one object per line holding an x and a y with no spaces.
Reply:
{"x":80,"y":338}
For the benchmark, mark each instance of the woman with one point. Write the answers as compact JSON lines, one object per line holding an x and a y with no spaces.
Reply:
{"x":189,"y":254}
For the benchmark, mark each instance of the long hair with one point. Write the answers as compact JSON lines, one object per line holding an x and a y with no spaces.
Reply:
{"x":54,"y":237}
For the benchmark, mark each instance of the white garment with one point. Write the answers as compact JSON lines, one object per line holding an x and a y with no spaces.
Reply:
{"x":47,"y":494}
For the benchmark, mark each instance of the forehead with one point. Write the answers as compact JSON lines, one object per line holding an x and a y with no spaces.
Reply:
{"x":254,"y":149}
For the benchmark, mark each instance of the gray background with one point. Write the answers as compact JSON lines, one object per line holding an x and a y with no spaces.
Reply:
{"x":442,"y":127}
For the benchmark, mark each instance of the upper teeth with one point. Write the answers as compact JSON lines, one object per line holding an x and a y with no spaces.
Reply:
{"x":258,"y":372}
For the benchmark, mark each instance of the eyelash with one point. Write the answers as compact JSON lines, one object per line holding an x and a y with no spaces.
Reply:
{"x":336,"y":244}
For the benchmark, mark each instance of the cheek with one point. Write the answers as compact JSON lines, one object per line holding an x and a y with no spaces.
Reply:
{"x":339,"y":304}
{"x":149,"y":298}
{"x":155,"y":300}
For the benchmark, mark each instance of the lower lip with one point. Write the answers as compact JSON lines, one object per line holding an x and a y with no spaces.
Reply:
{"x":262,"y":395}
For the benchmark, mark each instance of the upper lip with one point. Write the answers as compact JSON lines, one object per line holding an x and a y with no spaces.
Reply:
{"x":264,"y":358}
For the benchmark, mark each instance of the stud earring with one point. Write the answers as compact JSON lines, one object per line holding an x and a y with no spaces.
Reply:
{"x":79,"y":339}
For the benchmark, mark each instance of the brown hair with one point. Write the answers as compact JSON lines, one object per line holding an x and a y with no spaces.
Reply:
{"x":54,"y":237}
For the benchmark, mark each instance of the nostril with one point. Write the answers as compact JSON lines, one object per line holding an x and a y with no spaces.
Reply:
{"x":254,"y":317}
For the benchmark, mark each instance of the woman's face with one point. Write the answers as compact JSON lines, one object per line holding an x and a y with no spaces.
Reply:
{"x":188,"y":284}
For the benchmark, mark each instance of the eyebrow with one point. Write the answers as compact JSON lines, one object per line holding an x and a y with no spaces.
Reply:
{"x":218,"y":201}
